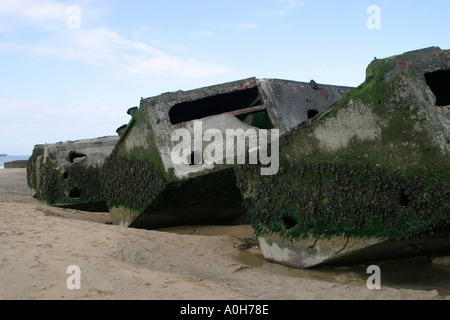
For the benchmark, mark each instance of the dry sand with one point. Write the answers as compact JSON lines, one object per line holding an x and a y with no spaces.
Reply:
{"x":38,"y":243}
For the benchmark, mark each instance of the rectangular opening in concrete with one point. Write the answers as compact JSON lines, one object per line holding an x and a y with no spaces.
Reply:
{"x":214,"y":105}
{"x":439,"y":83}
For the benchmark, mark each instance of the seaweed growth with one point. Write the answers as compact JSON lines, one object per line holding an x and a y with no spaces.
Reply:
{"x":376,"y":164}
{"x":334,"y":199}
{"x":32,"y":178}
{"x":76,"y":185}
{"x":130,"y":182}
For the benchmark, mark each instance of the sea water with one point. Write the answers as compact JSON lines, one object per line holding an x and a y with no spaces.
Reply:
{"x":3,"y":160}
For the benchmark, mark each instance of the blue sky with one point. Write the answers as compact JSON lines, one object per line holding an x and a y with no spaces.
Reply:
{"x":59,"y":82}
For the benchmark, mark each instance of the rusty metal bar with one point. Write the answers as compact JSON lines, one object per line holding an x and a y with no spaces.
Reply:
{"x":249,"y":110}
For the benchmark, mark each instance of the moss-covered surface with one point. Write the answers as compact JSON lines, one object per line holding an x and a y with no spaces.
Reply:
{"x":376,"y":164}
{"x":334,"y":199}
{"x":133,"y":178}
{"x":76,"y":185}
{"x":32,"y":166}
{"x":130,"y":182}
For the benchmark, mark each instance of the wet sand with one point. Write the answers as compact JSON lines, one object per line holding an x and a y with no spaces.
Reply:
{"x":38,"y":243}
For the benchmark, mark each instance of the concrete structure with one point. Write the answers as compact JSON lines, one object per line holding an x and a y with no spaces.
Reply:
{"x":66,"y":174}
{"x":369,"y":178}
{"x":198,"y":192}
{"x":264,"y":104}
{"x":18,"y":164}
{"x":310,"y":253}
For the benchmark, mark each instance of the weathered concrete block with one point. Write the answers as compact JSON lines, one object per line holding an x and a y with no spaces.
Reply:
{"x":376,"y":165}
{"x":66,"y":174}
{"x":33,"y":168}
{"x":18,"y":164}
{"x":143,"y":185}
{"x":309,"y":253}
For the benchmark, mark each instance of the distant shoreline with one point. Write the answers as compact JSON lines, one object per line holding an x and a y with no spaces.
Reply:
{"x":6,"y":159}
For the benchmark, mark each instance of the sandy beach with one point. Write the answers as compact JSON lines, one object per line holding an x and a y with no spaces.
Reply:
{"x":38,"y":243}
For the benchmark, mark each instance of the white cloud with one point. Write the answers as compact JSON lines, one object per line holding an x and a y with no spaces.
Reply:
{"x":107,"y":48}
{"x":287,"y":6}
{"x":243,"y":25}
{"x":123,"y":58}
{"x":143,"y":31}
{"x":171,"y":66}
{"x":48,"y":120}
{"x":33,"y":9}
{"x":101,"y":46}
{"x":206,"y":33}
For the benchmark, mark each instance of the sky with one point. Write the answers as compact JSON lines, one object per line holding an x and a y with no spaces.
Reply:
{"x":71,"y":69}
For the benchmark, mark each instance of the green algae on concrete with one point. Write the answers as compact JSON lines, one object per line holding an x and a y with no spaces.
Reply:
{"x":132,"y":176}
{"x":141,"y":193}
{"x":67,"y":174}
{"x":32,"y":167}
{"x":144,"y":188}
{"x":375,"y":165}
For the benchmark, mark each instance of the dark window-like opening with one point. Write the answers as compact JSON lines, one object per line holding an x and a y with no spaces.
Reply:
{"x":258,"y":119}
{"x":65,"y":175}
{"x":213,"y":105}
{"x":289,"y":222}
{"x":312,"y":113}
{"x":75,"y":155}
{"x":439,"y":83}
{"x":75,"y":193}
